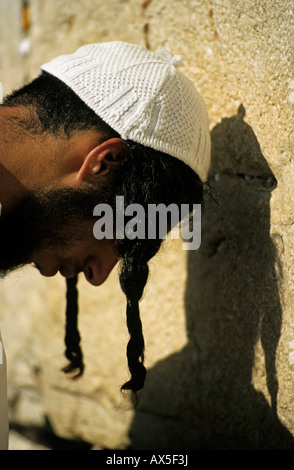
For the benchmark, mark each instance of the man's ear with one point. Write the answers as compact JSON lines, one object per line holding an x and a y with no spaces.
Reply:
{"x":102,"y":158}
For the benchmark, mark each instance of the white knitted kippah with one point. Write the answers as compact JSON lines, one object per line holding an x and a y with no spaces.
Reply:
{"x":142,"y":96}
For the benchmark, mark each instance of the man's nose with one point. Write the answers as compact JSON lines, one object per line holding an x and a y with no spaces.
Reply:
{"x":92,"y":272}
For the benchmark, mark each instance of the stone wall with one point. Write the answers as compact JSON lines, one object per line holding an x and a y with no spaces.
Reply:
{"x":218,"y":322}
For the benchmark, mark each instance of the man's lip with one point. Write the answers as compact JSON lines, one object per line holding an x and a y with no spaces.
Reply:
{"x":67,"y":271}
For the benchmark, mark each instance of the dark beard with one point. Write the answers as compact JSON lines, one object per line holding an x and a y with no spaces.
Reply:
{"x":42,"y":220}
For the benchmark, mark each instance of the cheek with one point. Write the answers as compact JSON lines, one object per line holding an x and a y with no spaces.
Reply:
{"x":106,"y":255}
{"x":100,"y":249}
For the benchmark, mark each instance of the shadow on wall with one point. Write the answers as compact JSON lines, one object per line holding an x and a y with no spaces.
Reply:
{"x":203,"y":397}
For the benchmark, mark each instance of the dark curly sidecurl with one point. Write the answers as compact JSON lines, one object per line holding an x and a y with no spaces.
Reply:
{"x":147,"y":177}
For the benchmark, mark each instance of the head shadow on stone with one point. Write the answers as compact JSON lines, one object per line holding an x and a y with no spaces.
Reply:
{"x":232,"y":304}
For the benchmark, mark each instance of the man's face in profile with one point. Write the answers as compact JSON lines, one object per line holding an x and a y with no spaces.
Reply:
{"x":54,"y":230}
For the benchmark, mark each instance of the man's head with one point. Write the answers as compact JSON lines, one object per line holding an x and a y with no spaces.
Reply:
{"x":143,"y":103}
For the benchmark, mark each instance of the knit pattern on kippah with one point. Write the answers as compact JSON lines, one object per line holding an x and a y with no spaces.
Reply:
{"x":142,"y":96}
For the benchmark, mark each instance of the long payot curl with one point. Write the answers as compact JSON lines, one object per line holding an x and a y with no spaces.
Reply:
{"x":73,"y":350}
{"x":153,"y":178}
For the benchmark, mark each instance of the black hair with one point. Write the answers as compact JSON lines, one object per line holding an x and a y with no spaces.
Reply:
{"x":145,"y":176}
